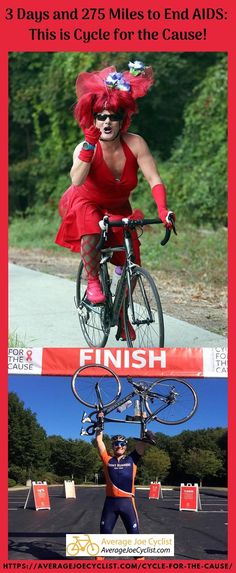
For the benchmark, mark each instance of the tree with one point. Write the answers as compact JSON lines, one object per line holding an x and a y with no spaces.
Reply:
{"x":43,"y":132}
{"x":156,"y":463}
{"x":27,"y":439}
{"x":198,"y":167}
{"x":201,"y":463}
{"x":73,"y":457}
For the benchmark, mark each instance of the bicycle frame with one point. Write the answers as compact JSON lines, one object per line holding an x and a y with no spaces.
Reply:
{"x":136,"y":297}
{"x":143,"y":419}
{"x":125,"y":278}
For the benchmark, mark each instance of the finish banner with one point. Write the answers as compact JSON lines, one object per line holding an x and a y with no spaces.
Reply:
{"x":191,"y":362}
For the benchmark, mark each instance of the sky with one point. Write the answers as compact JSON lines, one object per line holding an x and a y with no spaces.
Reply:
{"x":59,"y":413}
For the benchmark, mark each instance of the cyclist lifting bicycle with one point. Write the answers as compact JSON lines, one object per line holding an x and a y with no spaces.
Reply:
{"x":168,"y":401}
{"x":104,"y":172}
{"x":120,"y":471}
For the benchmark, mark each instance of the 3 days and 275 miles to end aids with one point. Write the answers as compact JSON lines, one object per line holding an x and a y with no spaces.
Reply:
{"x":115,"y":14}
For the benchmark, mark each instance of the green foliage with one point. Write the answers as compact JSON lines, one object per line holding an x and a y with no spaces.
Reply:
{"x":50,"y":478}
{"x":201,"y":463}
{"x":198,"y":167}
{"x":73,"y":457}
{"x":27,"y":439}
{"x":185,"y":111}
{"x":11,"y":482}
{"x":156,"y":464}
{"x":37,"y":230}
{"x":17,"y":474}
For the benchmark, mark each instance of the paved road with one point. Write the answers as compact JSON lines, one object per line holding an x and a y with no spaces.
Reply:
{"x":41,"y":534}
{"x":42,"y":314}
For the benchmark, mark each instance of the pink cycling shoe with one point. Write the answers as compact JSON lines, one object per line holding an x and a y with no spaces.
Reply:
{"x":94,"y":291}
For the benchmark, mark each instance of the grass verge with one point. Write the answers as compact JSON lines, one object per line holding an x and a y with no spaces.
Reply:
{"x":196,"y":254}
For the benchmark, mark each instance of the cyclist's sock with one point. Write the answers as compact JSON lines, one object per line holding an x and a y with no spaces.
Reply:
{"x":91,"y":260}
{"x":90,"y":256}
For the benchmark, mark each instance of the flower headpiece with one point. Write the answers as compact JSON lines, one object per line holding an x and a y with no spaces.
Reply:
{"x":109,"y":89}
{"x":116,"y":80}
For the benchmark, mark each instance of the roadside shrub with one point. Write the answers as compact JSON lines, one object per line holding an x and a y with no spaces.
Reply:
{"x":17,"y":474}
{"x":11,"y":482}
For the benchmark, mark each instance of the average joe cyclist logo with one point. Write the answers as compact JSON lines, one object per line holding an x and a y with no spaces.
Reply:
{"x":81,"y":543}
{"x":111,"y":545}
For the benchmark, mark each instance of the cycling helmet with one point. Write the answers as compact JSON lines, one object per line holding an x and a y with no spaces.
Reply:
{"x":119,"y":438}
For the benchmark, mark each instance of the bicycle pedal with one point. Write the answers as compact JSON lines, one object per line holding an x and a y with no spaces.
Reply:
{"x":83,"y":432}
{"x":82,"y":311}
{"x":85,"y":418}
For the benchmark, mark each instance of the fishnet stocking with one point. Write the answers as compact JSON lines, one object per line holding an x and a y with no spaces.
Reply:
{"x":90,"y":256}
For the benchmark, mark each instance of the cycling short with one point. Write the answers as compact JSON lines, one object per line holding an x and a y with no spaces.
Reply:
{"x":123,"y":507}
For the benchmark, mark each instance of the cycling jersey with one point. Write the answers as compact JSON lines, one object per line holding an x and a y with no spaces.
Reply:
{"x":120,"y":474}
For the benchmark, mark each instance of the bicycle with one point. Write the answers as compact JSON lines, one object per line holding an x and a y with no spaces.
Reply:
{"x":81,"y":545}
{"x":168,"y":401}
{"x":136,"y":294}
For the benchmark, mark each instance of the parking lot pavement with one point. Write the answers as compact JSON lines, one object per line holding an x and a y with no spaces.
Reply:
{"x":41,"y":534}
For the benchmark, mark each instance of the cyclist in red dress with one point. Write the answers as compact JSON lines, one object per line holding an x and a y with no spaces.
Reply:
{"x":105,"y":166}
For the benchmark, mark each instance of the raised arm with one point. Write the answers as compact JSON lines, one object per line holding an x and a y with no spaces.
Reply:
{"x":99,"y":436}
{"x":80,"y":169}
{"x":83,"y":155}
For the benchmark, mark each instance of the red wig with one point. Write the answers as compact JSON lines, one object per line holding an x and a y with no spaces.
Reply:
{"x":95,"y":93}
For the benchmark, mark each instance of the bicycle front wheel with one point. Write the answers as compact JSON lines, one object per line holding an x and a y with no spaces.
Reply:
{"x":144,"y":312}
{"x":95,"y":385}
{"x":171,"y":401}
{"x":94,"y":319}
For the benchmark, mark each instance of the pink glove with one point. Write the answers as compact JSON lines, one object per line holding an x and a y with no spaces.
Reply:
{"x":159,"y":195}
{"x":92,"y":135}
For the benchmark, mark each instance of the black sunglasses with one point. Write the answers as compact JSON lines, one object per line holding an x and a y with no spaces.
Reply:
{"x":104,"y":116}
{"x":119,"y":443}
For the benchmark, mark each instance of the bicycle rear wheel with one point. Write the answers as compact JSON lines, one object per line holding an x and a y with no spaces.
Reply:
{"x":144,"y":312}
{"x":95,"y":385}
{"x":94,"y":319}
{"x":177,"y":399}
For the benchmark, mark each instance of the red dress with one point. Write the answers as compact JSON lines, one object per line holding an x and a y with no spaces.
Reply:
{"x":83,"y":206}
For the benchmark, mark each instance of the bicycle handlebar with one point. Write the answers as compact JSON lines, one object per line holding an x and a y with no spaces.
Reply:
{"x":131,"y":224}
